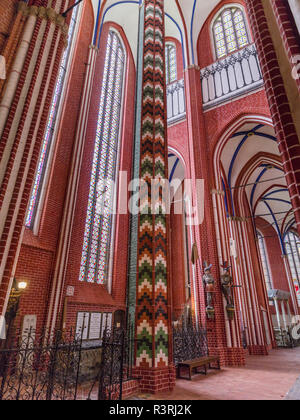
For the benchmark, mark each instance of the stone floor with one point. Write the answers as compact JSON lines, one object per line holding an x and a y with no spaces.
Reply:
{"x":263,"y":378}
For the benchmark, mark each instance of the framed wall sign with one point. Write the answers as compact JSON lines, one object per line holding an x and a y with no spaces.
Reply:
{"x":91,"y":325}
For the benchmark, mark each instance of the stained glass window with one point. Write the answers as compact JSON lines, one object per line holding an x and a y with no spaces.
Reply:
{"x":48,"y":137}
{"x":292,"y":247}
{"x":98,"y":226}
{"x":264,"y":261}
{"x":171,"y":65}
{"x":230,"y":33}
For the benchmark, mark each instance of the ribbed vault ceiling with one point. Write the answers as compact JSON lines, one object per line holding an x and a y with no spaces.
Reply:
{"x":184,"y":20}
{"x":252,"y":165}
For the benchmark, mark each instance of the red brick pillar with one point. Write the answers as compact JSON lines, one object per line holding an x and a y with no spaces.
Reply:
{"x":205,"y":233}
{"x":284,"y":125}
{"x":8,"y":48}
{"x":288,"y":31}
{"x":24,"y":106}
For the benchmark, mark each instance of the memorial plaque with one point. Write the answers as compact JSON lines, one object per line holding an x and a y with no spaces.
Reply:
{"x":95,"y":326}
{"x":82,"y":325}
{"x":29,"y":325}
{"x":106,"y":322}
{"x":109,"y":320}
{"x":2,"y":328}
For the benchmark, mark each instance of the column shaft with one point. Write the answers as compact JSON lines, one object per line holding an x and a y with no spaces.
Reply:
{"x":153,"y":355}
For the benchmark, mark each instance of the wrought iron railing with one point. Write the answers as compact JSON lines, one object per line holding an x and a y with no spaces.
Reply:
{"x":189,"y":342}
{"x":175,"y":101}
{"x":40,"y":366}
{"x":61,"y":366}
{"x":284,"y":338}
{"x":231,"y":77}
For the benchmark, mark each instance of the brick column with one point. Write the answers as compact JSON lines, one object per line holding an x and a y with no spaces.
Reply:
{"x":284,"y":125}
{"x":13,"y":39}
{"x":24,"y":106}
{"x":153,"y":324}
{"x":288,"y":31}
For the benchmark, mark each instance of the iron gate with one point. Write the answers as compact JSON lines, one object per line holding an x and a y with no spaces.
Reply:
{"x":62,"y":366}
{"x":115,"y":367}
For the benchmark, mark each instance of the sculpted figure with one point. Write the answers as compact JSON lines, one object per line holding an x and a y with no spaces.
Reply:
{"x":209,"y":283}
{"x":226,"y":284}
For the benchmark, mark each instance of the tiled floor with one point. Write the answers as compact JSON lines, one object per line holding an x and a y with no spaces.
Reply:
{"x":263,"y":378}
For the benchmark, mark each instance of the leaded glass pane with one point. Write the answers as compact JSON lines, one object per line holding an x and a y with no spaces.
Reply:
{"x":230,"y":32}
{"x":48,"y":137}
{"x":292,"y":248}
{"x":98,"y":226}
{"x":264,"y":261}
{"x":171,"y":64}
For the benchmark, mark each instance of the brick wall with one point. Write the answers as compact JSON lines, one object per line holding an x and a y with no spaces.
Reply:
{"x":120,"y":252}
{"x":37,"y":256}
{"x":34,"y":266}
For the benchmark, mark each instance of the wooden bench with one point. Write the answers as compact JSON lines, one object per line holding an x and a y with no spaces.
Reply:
{"x":197,"y":363}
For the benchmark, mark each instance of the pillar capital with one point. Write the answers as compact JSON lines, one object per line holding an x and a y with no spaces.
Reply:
{"x":193,"y":67}
{"x":217,"y":192}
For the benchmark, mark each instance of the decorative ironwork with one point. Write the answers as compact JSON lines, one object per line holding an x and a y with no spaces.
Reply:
{"x":231,"y":76}
{"x":284,"y":338}
{"x":189,"y":342}
{"x":62,"y":366}
{"x":175,"y":101}
{"x":44,"y":367}
{"x":116,"y":364}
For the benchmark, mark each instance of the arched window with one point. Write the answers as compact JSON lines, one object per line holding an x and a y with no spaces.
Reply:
{"x":264,"y":261}
{"x":49,"y":133}
{"x":230,"y":31}
{"x":171,"y":63}
{"x":292,"y":247}
{"x":98,"y":225}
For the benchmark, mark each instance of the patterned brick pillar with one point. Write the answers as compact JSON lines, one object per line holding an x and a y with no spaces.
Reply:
{"x":220,"y":340}
{"x":24,"y":106}
{"x":284,"y":125}
{"x":153,"y":349}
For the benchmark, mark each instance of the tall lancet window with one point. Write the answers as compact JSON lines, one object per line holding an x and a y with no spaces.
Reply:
{"x":98,"y":225}
{"x":171,"y":63}
{"x":264,"y":261}
{"x":50,"y":128}
{"x":230,"y":31}
{"x":292,"y":247}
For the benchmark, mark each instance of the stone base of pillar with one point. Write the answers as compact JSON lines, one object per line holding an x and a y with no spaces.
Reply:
{"x":229,"y":356}
{"x":155,"y":380}
{"x":258,"y":350}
